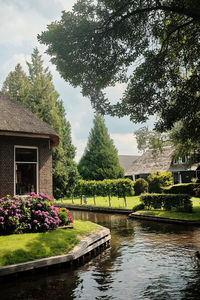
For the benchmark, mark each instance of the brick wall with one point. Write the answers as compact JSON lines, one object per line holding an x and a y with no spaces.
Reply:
{"x":7,"y":144}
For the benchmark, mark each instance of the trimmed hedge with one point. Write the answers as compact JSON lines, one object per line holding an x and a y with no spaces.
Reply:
{"x":183,"y":188}
{"x":106,"y":188}
{"x":177,"y":202}
{"x":138,"y":207}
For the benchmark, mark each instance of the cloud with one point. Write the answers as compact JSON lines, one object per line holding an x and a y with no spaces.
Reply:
{"x":19,"y":25}
{"x":66,"y":5}
{"x":125,"y":143}
{"x":11,"y":63}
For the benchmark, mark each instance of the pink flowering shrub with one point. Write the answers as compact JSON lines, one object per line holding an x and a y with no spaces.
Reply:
{"x":65,"y":217}
{"x":33,"y":213}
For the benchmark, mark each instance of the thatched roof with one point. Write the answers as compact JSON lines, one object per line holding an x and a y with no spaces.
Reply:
{"x":15,"y":119}
{"x":126,"y":161}
{"x":162,"y":162}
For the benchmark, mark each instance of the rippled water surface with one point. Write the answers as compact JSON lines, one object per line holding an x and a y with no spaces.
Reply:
{"x":146,"y":260}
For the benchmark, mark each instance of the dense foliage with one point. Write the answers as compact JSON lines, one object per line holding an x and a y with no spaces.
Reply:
{"x":33,"y":213}
{"x":157,"y":180}
{"x":100,"y":159}
{"x":117,"y":187}
{"x":152,"y":46}
{"x":140,"y":186}
{"x":183,"y":188}
{"x":36,"y":92}
{"x":138,"y":207}
{"x":177,"y":202}
{"x":196,"y":191}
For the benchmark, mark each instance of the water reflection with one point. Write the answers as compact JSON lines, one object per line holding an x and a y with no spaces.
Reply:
{"x":147,"y":260}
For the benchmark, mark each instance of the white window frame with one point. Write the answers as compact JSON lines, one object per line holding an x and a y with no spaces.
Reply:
{"x":179,"y":160}
{"x":26,"y":162}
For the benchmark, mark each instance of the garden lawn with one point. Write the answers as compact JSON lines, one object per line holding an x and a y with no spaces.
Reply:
{"x":194,"y":216}
{"x":17,"y":248}
{"x":103,"y":201}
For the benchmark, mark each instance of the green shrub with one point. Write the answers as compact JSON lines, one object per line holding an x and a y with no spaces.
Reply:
{"x":140,"y":186}
{"x":64,"y":216}
{"x":138,"y":207}
{"x":196,"y":191}
{"x":183,"y":188}
{"x":177,"y":202}
{"x":157,"y":180}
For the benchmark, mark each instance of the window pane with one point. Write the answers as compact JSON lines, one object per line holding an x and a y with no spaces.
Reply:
{"x":26,"y":155}
{"x":26,"y":178}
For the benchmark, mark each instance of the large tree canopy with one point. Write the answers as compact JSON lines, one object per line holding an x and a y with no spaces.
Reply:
{"x":151,"y":45}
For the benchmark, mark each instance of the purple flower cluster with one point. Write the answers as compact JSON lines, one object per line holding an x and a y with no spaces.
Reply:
{"x":33,"y":213}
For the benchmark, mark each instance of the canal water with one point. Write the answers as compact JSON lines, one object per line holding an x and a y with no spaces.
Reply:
{"x":146,"y":260}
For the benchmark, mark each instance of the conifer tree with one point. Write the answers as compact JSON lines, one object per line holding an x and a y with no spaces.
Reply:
{"x":17,"y":86}
{"x":100,"y":159}
{"x":37,"y":93}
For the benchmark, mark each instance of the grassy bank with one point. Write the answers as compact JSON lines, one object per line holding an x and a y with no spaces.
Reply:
{"x":103,"y":201}
{"x":194,"y":216}
{"x":135,"y":200}
{"x":19,"y":248}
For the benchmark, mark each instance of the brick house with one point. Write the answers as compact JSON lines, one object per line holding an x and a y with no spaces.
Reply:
{"x":25,"y":151}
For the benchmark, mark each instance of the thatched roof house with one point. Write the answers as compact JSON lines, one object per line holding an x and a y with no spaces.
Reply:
{"x":25,"y":150}
{"x":162,"y":161}
{"x":126,"y":161}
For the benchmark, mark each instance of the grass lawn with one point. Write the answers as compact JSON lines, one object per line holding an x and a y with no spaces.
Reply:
{"x":135,"y":200}
{"x":103,"y":201}
{"x":17,"y":248}
{"x":194,"y":216}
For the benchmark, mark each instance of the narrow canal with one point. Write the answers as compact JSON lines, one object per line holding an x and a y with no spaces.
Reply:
{"x":146,"y":260}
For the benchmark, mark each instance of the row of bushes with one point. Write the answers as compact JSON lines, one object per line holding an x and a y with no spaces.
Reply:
{"x":33,"y":213}
{"x":160,"y":182}
{"x":106,"y":188}
{"x":154,"y":183}
{"x":177,"y":202}
{"x":184,"y":188}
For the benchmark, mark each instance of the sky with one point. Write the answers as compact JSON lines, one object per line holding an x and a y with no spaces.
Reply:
{"x":20,"y":23}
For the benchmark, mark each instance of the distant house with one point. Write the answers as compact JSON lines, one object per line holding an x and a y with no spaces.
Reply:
{"x":146,"y":163}
{"x":126,"y":161}
{"x":25,"y":150}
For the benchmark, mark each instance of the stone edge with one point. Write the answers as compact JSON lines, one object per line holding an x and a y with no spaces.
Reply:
{"x":100,"y":209}
{"x":165,"y":220}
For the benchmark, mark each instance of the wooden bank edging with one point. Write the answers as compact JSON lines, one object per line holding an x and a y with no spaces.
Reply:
{"x":165,"y":220}
{"x":100,"y":209}
{"x":85,"y":246}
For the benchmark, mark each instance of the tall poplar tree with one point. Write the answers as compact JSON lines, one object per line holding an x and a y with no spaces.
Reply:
{"x":100,"y":159}
{"x":37,"y":93}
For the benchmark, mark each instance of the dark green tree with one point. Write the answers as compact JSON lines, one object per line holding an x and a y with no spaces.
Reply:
{"x":37,"y":93}
{"x":153,"y":46}
{"x":100,"y":159}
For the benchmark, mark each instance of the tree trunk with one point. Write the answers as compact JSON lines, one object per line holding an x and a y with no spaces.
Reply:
{"x":109,"y":201}
{"x":125,"y":201}
{"x":94,"y":200}
{"x":72,"y":199}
